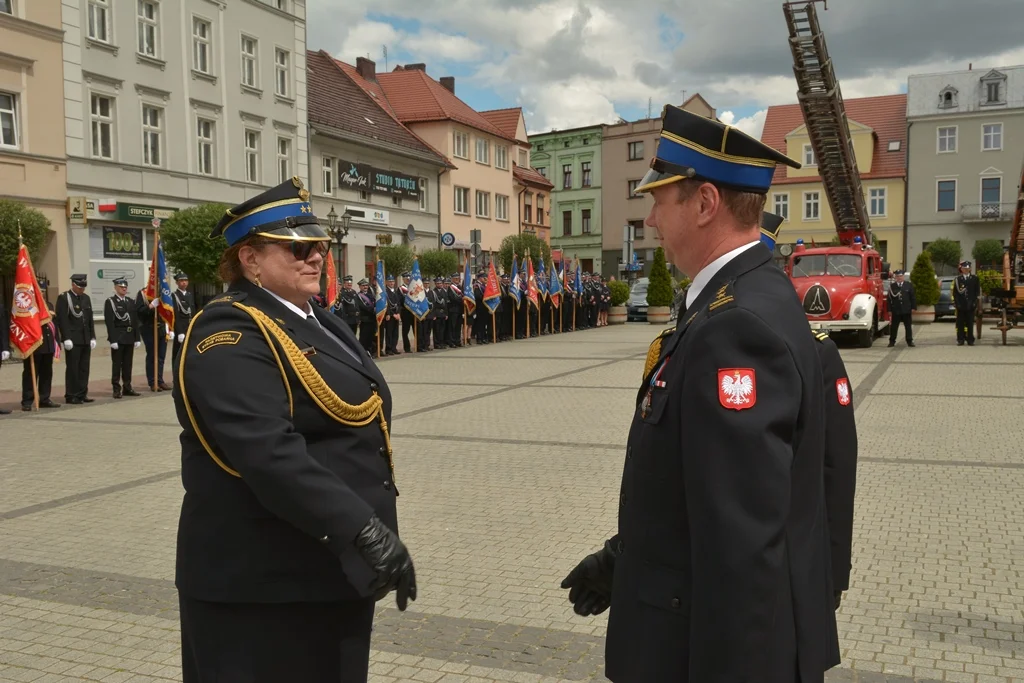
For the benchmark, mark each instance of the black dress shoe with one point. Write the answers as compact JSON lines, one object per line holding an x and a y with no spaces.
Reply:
{"x":117,"y":393}
{"x":48,"y":404}
{"x":88,"y":400}
{"x":911,"y":344}
{"x":27,"y":409}
{"x":131,"y":392}
{"x":4,"y":412}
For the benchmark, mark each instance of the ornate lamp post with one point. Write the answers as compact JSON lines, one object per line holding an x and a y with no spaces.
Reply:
{"x":338,"y":232}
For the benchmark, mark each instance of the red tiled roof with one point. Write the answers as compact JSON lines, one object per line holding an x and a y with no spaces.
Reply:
{"x":505,"y":120}
{"x":885,"y":115}
{"x":416,"y":97}
{"x":330,"y":84}
{"x":529,"y":176}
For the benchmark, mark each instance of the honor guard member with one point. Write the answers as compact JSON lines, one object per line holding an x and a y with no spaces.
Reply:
{"x":840,"y":442}
{"x":408,"y":319}
{"x":288,"y":529}
{"x":155,"y":337}
{"x":74,"y":320}
{"x":348,"y":305}
{"x":394,"y":298}
{"x":456,"y":309}
{"x":367,"y":318}
{"x":5,"y":344}
{"x":439,"y":307}
{"x":124,"y":337}
{"x":902,"y":302}
{"x":43,"y":356}
{"x":966,"y":290}
{"x":719,"y":571}
{"x":184,"y":309}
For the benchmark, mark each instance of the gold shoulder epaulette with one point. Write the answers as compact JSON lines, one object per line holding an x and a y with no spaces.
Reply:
{"x":723,"y":298}
{"x":820,"y":335}
{"x":654,"y":351}
{"x":228,"y":298}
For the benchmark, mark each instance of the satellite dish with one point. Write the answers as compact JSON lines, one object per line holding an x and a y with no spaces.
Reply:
{"x":786,"y":249}
{"x":410,"y":233}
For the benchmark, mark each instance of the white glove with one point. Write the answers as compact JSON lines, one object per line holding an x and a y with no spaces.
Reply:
{"x":181,"y":338}
{"x":138,"y":344}
{"x":4,"y":355}
{"x":92,"y":343}
{"x":113,"y":346}
{"x":68,"y":344}
{"x":154,"y":303}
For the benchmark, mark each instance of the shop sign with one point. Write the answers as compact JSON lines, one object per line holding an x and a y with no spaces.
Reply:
{"x":122,"y":243}
{"x":364,"y":177}
{"x":137,"y":213}
{"x":76,"y":210}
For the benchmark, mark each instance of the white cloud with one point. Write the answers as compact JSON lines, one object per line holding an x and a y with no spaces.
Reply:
{"x":434,"y":44}
{"x":751,"y":125}
{"x":365,"y":39}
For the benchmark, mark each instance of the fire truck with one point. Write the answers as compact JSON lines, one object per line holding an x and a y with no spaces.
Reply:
{"x":842,"y":286}
{"x":1009,"y":300}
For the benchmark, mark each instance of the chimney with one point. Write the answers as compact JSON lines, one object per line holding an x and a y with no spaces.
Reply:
{"x":366,"y":68}
{"x":416,"y":67}
{"x":449,"y":83}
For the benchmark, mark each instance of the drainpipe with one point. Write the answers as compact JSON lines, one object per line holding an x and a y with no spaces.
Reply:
{"x":439,"y":231}
{"x":519,"y":210}
{"x":906,"y":200}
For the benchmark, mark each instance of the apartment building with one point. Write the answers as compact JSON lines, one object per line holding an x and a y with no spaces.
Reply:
{"x":32,"y":160}
{"x":169,"y":104}
{"x":966,"y":146}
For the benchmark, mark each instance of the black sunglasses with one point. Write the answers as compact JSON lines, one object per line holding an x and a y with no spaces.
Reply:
{"x":301,"y":249}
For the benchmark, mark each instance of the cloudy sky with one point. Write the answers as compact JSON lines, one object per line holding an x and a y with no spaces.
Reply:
{"x":570,"y":63}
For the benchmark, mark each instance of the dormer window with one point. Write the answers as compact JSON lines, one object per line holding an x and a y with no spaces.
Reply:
{"x":993,"y":88}
{"x":947,"y":98}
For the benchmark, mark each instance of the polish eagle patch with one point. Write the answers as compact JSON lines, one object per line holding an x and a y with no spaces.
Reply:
{"x":737,"y":388}
{"x":843,"y":391}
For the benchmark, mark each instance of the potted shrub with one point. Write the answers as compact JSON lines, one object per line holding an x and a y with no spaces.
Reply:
{"x":926,"y":288}
{"x":659,"y":290}
{"x":620,"y":295}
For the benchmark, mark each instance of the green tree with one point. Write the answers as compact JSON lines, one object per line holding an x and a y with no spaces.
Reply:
{"x":926,"y":287}
{"x":989,"y":279}
{"x":987,"y":252}
{"x":188,"y":245}
{"x":35,"y":228}
{"x":659,"y":288}
{"x":519,"y":245}
{"x":397,"y":259}
{"x":438,"y":262}
{"x":945,"y":253}
{"x":620,"y":292}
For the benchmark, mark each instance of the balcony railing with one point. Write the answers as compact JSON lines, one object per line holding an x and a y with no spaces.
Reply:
{"x":988,"y":212}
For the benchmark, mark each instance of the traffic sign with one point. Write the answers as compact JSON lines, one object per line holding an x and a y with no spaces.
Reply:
{"x":475,"y":249}
{"x":448,"y":239}
{"x":155,"y":222}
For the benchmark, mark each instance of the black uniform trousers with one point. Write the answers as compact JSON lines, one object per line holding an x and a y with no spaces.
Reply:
{"x":147,"y":339}
{"x":76,"y":372}
{"x":391,"y":335}
{"x":175,"y":354}
{"x":121,"y":365}
{"x":423,"y":328}
{"x":894,"y":327}
{"x":315,"y":642}
{"x":368,"y":335}
{"x":455,"y":326}
{"x":440,"y":332}
{"x":44,"y":377}
{"x":408,"y":320}
{"x":965,"y":325}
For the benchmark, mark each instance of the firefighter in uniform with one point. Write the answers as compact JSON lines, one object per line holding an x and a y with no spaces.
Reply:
{"x":367,"y":318}
{"x":456,"y":309}
{"x":902,"y":303}
{"x":408,"y":319}
{"x":719,"y":571}
{"x":391,"y":318}
{"x":124,"y":337}
{"x":288,"y":528}
{"x":966,"y":290}
{"x":44,"y":357}
{"x":184,"y":309}
{"x":74,"y":320}
{"x":5,"y":345}
{"x":347,"y":309}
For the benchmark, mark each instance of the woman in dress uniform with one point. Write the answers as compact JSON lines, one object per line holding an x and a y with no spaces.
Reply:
{"x":288,"y":528}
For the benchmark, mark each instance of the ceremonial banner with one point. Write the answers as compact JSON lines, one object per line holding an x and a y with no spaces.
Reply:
{"x":381,"y":300}
{"x":332,"y":282}
{"x":468,"y":298}
{"x":157,"y":285}
{"x":492,"y":292}
{"x":29,"y":312}
{"x":416,"y":299}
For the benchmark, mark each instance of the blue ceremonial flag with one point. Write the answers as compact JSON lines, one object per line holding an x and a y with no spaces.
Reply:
{"x":468,"y":297}
{"x":514,"y":288}
{"x":579,"y":280}
{"x":555,"y":288}
{"x":380,"y":306}
{"x":157,"y":287}
{"x":416,"y":299}
{"x":542,"y":281}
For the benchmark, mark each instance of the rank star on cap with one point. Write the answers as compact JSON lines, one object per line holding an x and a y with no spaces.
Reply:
{"x":737,"y":388}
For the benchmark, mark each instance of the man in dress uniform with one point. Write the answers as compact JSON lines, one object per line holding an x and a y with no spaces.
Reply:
{"x":408,"y":319}
{"x":456,"y":309}
{"x":155,"y":337}
{"x":367,"y":318}
{"x":124,"y":336}
{"x":43,"y":356}
{"x":347,"y":307}
{"x":720,"y":570}
{"x":5,"y":343}
{"x":966,"y":290}
{"x":439,"y":307}
{"x":184,"y":309}
{"x":902,"y":301}
{"x":74,"y":320}
{"x":481,"y":316}
{"x":392,"y":316}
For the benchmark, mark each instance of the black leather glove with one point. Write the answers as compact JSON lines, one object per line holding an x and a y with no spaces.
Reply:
{"x":590,"y":583}
{"x":838,"y":595}
{"x":388,"y":556}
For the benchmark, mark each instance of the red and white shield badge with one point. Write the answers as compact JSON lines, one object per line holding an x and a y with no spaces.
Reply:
{"x":843,"y":391}
{"x":737,"y":388}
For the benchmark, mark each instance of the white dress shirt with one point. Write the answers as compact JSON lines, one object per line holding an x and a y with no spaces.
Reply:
{"x":308,"y":315}
{"x":702,"y":278}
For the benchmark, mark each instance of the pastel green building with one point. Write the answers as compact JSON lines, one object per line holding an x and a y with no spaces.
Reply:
{"x":571,"y":160}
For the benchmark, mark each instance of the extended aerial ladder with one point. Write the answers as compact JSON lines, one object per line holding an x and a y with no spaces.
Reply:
{"x":1009,"y":300}
{"x":825,"y":115}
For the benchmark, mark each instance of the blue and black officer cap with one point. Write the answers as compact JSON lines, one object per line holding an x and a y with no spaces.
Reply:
{"x":694,"y":146}
{"x":280,"y":213}
{"x":771,"y":226}
{"x":965,"y":264}
{"x":121,"y":282}
{"x":180,"y":276}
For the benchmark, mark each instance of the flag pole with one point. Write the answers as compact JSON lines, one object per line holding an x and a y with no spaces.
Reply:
{"x":376,"y":258}
{"x":156,"y":316}
{"x":32,"y":357}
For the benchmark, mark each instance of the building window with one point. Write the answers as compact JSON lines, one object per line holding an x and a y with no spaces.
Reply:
{"x":528,"y":207}
{"x":543,"y":170}
{"x":8,"y":120}
{"x":877,"y":207}
{"x":585,"y":216}
{"x":993,"y":92}
{"x":204,"y":135}
{"x":483,"y":151}
{"x":396,"y":200}
{"x":250,"y":73}
{"x":947,"y":139}
{"x":566,"y":176}
{"x":635,"y":151}
{"x":152,"y":127}
{"x":328,"y":175}
{"x":284,"y":159}
{"x":992,"y":137}
{"x":567,"y":223}
{"x":501,"y":157}
{"x":585,"y":172}
{"x":501,"y":207}
{"x":540,"y":209}
{"x":638,"y":229}
{"x":483,"y":204}
{"x":101,"y":115}
{"x":991,"y":195}
{"x":201,"y":45}
{"x":423,"y":194}
{"x":780,"y":203}
{"x":149,"y":16}
{"x":282,"y":80}
{"x":98,"y":20}
{"x":7,"y":6}
{"x":947,"y":195}
{"x":461,"y":142}
{"x":523,"y":160}
{"x":812,"y":206}
{"x":809,"y":159}
{"x":462,"y":200}
{"x":252,"y":156}
{"x":947,"y":98}
{"x":631,"y":186}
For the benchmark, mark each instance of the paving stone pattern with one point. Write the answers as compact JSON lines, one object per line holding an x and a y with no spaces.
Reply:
{"x":509,"y":457}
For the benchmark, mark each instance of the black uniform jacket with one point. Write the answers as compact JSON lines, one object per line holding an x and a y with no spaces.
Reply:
{"x":840,"y":458}
{"x":966,"y":290}
{"x":184,"y":309}
{"x":902,"y":298}
{"x":277,"y":485}
{"x":74,"y":318}
{"x":724,"y":574}
{"x":122,"y":321}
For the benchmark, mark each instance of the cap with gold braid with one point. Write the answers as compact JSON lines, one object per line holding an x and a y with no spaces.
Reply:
{"x":280,"y":213}
{"x":771,"y":225}
{"x":694,"y":146}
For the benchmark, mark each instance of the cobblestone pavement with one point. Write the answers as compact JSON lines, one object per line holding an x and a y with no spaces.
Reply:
{"x":509,"y":459}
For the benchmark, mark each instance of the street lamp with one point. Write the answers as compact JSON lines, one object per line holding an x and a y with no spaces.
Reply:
{"x":338,"y":233}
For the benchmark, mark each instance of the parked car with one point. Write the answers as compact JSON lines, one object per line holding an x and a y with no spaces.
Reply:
{"x":944,"y":308}
{"x":636,"y":305}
